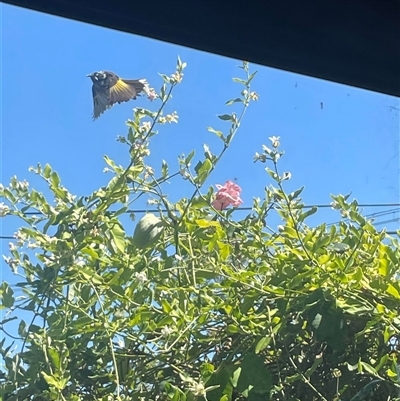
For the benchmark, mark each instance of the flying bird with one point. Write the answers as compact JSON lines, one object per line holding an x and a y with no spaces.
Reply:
{"x":108,"y":88}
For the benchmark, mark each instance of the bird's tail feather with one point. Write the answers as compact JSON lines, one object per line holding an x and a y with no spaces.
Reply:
{"x":126,"y":89}
{"x":138,"y":84}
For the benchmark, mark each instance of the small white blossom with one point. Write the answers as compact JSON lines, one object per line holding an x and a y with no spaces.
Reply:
{"x":21,"y":237}
{"x":20,"y":185}
{"x":71,"y":197}
{"x":166,"y":331}
{"x":198,"y":389}
{"x":254,"y":96}
{"x":80,"y":262}
{"x":106,"y":170}
{"x":49,"y":260}
{"x":262,"y":158}
{"x":176,"y":77}
{"x":172,"y":118}
{"x":345,"y":214}
{"x":335,"y":205}
{"x":149,"y":172}
{"x":142,"y":148}
{"x":150,"y":93}
{"x":184,"y":173}
{"x":275,"y":141}
{"x":12,"y":246}
{"x":53,"y":240}
{"x":146,"y":126}
{"x":141,"y":277}
{"x":4,"y":209}
{"x":13,"y":263}
{"x":48,"y":240}
{"x":32,"y":245}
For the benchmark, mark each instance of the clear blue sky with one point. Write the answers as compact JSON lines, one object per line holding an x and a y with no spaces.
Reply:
{"x":352,"y":144}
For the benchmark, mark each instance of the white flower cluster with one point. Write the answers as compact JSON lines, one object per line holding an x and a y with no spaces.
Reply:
{"x":141,"y":277}
{"x":169,"y":118}
{"x":4,"y":210}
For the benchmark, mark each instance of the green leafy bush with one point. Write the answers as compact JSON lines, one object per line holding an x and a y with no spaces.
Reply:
{"x":211,"y":306}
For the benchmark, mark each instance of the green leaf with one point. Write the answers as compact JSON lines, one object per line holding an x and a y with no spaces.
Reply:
{"x":393,"y":291}
{"x":6,"y":320}
{"x":203,"y":169}
{"x":224,"y":250}
{"x":163,"y":91}
{"x":7,"y":295}
{"x":294,"y":195}
{"x":339,"y":247}
{"x":272,"y":174}
{"x":225,"y":117}
{"x":166,"y":306}
{"x":262,"y":344}
{"x":166,"y":78}
{"x":22,"y":328}
{"x":288,"y":231}
{"x":317,"y":361}
{"x":329,"y":327}
{"x":52,"y":381}
{"x":235,"y":376}
{"x":221,"y":377}
{"x":308,"y":213}
{"x":237,"y":100}
{"x":55,"y":357}
{"x":55,"y":179}
{"x":47,"y":171}
{"x":204,"y":223}
{"x":189,"y":157}
{"x":218,"y":133}
{"x":239,"y":80}
{"x":232,"y":329}
{"x":164,"y":169}
{"x":251,"y":78}
{"x":254,"y":376}
{"x":131,"y":135}
{"x":119,"y":237}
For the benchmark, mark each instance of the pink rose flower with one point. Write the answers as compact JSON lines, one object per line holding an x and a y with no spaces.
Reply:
{"x":227,"y":194}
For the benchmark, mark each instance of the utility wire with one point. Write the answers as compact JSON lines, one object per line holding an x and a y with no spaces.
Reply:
{"x":250,"y":208}
{"x":368,"y":216}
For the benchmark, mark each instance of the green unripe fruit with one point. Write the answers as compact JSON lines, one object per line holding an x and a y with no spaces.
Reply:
{"x":147,"y":231}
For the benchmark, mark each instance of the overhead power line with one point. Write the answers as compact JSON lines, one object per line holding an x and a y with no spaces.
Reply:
{"x":369,"y":216}
{"x":250,"y":208}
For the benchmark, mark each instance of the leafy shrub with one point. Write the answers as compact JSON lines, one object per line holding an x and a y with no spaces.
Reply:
{"x":212,"y":307}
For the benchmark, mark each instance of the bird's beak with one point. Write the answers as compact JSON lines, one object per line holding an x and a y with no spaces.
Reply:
{"x":90,"y":75}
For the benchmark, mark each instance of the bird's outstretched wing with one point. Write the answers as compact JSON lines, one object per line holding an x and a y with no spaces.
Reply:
{"x":101,"y":100}
{"x":125,"y":90}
